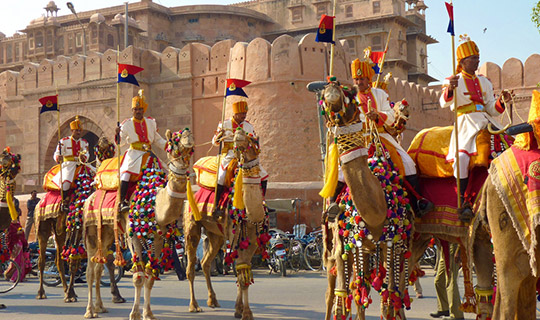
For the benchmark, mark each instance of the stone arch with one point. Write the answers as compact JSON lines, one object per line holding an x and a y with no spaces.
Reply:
{"x":91,"y":133}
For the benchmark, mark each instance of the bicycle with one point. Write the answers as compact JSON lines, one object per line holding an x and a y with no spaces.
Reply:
{"x":10,"y":275}
{"x":313,"y":251}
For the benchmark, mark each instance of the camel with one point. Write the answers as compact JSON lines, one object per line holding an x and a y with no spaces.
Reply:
{"x":9,"y":168}
{"x":168,"y":209}
{"x":247,"y":229}
{"x":365,"y":192}
{"x":51,"y":219}
{"x":508,"y":216}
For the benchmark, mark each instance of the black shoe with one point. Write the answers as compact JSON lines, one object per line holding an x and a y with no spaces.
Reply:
{"x":270,"y":210}
{"x":452,"y":318}
{"x":124,"y":206}
{"x":465,"y":213}
{"x":439,"y":314}
{"x":332,"y":211}
{"x":424,"y":207}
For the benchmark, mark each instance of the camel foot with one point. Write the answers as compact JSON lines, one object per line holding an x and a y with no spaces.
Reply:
{"x":194,"y":308}
{"x":238,"y":309}
{"x":70,"y":299}
{"x":135,"y":315}
{"x":149,"y":316}
{"x":247,"y":314}
{"x":90,"y":315}
{"x":118,"y":299}
{"x":41,"y":295}
{"x":101,"y":309}
{"x":213,"y":303}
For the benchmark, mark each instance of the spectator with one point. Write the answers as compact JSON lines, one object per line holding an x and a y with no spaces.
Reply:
{"x":448,"y":300}
{"x":31,"y":206}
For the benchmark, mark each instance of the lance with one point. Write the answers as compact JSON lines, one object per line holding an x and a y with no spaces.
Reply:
{"x":60,"y":145}
{"x":332,"y":47}
{"x":381,"y":64}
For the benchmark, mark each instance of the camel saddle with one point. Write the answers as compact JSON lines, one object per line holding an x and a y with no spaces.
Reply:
{"x":107,"y":175}
{"x":206,"y":169}
{"x":49,"y":185}
{"x":430,"y":147}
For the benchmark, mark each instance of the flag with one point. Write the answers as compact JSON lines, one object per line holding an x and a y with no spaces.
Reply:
{"x":234,"y":87}
{"x":326,"y":29}
{"x":376,"y":57}
{"x":49,"y":103}
{"x":450,"y":9}
{"x":127,"y":72}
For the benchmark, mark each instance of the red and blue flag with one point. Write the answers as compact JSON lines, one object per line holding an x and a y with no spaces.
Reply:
{"x":49,"y":103}
{"x":234,"y":87}
{"x":450,"y":9}
{"x":376,"y":57}
{"x":127,"y":72}
{"x":326,"y":29}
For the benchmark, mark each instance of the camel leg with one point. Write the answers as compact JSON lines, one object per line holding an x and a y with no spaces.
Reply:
{"x":71,"y":296}
{"x":60,"y":239}
{"x":149,"y":283}
{"x":527,"y":310}
{"x":244,"y":276}
{"x":215,"y":244}
{"x":329,"y":296}
{"x":483,"y":262}
{"x":138,"y":280}
{"x":43,"y":234}
{"x":90,"y":269}
{"x":115,"y":293}
{"x":193,"y":235}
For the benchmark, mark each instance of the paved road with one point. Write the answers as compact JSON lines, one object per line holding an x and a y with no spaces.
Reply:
{"x":298,"y":296}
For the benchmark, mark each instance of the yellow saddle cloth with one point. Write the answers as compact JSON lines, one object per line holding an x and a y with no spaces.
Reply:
{"x":430,"y":147}
{"x":206,"y":169}
{"x":107,"y":174}
{"x":49,"y":185}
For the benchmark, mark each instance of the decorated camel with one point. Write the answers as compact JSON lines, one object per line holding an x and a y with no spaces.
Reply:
{"x":61,"y":215}
{"x":245,"y":216}
{"x":150,"y":234}
{"x":9,"y":168}
{"x":507,"y":213}
{"x":370,"y":220}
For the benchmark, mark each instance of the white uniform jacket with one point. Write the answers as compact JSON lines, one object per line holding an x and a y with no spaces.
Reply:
{"x":71,"y":150}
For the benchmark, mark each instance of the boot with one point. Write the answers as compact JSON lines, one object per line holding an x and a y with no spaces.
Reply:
{"x":420,"y":206}
{"x":465,"y":212}
{"x":264,"y":185}
{"x":65,"y":201}
{"x":218,"y":211}
{"x":124,"y":204}
{"x":333,"y":208}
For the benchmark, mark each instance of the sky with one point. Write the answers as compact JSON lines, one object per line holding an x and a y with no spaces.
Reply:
{"x":502,"y":29}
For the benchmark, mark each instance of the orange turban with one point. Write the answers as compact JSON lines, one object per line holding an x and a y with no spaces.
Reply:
{"x":76,"y":124}
{"x":139,"y":101}
{"x":240,"y":107}
{"x":361,"y":69}
{"x":466,"y":49}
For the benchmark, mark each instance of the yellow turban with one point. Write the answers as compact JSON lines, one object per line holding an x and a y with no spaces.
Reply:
{"x":523,"y":140}
{"x":139,"y":101}
{"x":466,"y":49}
{"x":361,"y":69}
{"x":76,"y":124}
{"x":240,"y":107}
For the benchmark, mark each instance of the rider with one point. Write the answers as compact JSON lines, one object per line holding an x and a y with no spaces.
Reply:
{"x":140,"y":132}
{"x":225,"y":133}
{"x":68,"y":152}
{"x":374,"y":105}
{"x":476,"y":108}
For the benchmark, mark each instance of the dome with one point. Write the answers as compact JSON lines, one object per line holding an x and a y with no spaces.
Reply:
{"x":97,"y":18}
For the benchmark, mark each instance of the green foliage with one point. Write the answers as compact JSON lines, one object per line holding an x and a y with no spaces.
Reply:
{"x":535,"y":15}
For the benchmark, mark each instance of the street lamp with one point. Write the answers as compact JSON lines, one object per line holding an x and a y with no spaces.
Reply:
{"x":72,"y":8}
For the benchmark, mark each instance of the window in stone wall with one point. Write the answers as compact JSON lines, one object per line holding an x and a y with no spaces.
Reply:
{"x":17,"y":52}
{"x":94,"y":33}
{"x":31,"y":44}
{"x":349,"y":11}
{"x":402,"y":48}
{"x":376,"y":44}
{"x":1,"y":55}
{"x":59,"y":45}
{"x":110,"y":40}
{"x":352,"y":46}
{"x":49,"y":41}
{"x":296,"y":14}
{"x":9,"y":53}
{"x":78,"y":40}
{"x":321,"y":9}
{"x":193,"y":20}
{"x":376,"y":7}
{"x":39,"y":39}
{"x":70,"y":43}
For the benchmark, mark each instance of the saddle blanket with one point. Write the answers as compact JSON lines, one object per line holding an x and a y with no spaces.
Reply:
{"x":516,"y":176}
{"x":49,"y":206}
{"x":103,"y":203}
{"x":48,"y":183}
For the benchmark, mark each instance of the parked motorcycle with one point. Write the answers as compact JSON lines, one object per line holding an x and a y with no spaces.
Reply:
{"x":278,"y":254}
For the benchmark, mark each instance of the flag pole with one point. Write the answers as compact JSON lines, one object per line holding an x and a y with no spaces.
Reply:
{"x":332,"y":47}
{"x":117,"y":140}
{"x":216,"y":200}
{"x":458,"y":178}
{"x":381,"y":64}
{"x":60,"y":144}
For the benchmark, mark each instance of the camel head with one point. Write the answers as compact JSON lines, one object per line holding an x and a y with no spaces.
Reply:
{"x":9,"y":164}
{"x":104,"y":149}
{"x":180,"y":147}
{"x":338,"y":104}
{"x":246,"y":146}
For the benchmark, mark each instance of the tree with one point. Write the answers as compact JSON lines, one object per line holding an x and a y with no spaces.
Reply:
{"x":535,"y":15}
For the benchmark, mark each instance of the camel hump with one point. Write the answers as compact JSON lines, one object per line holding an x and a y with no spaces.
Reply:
{"x":430,"y":146}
